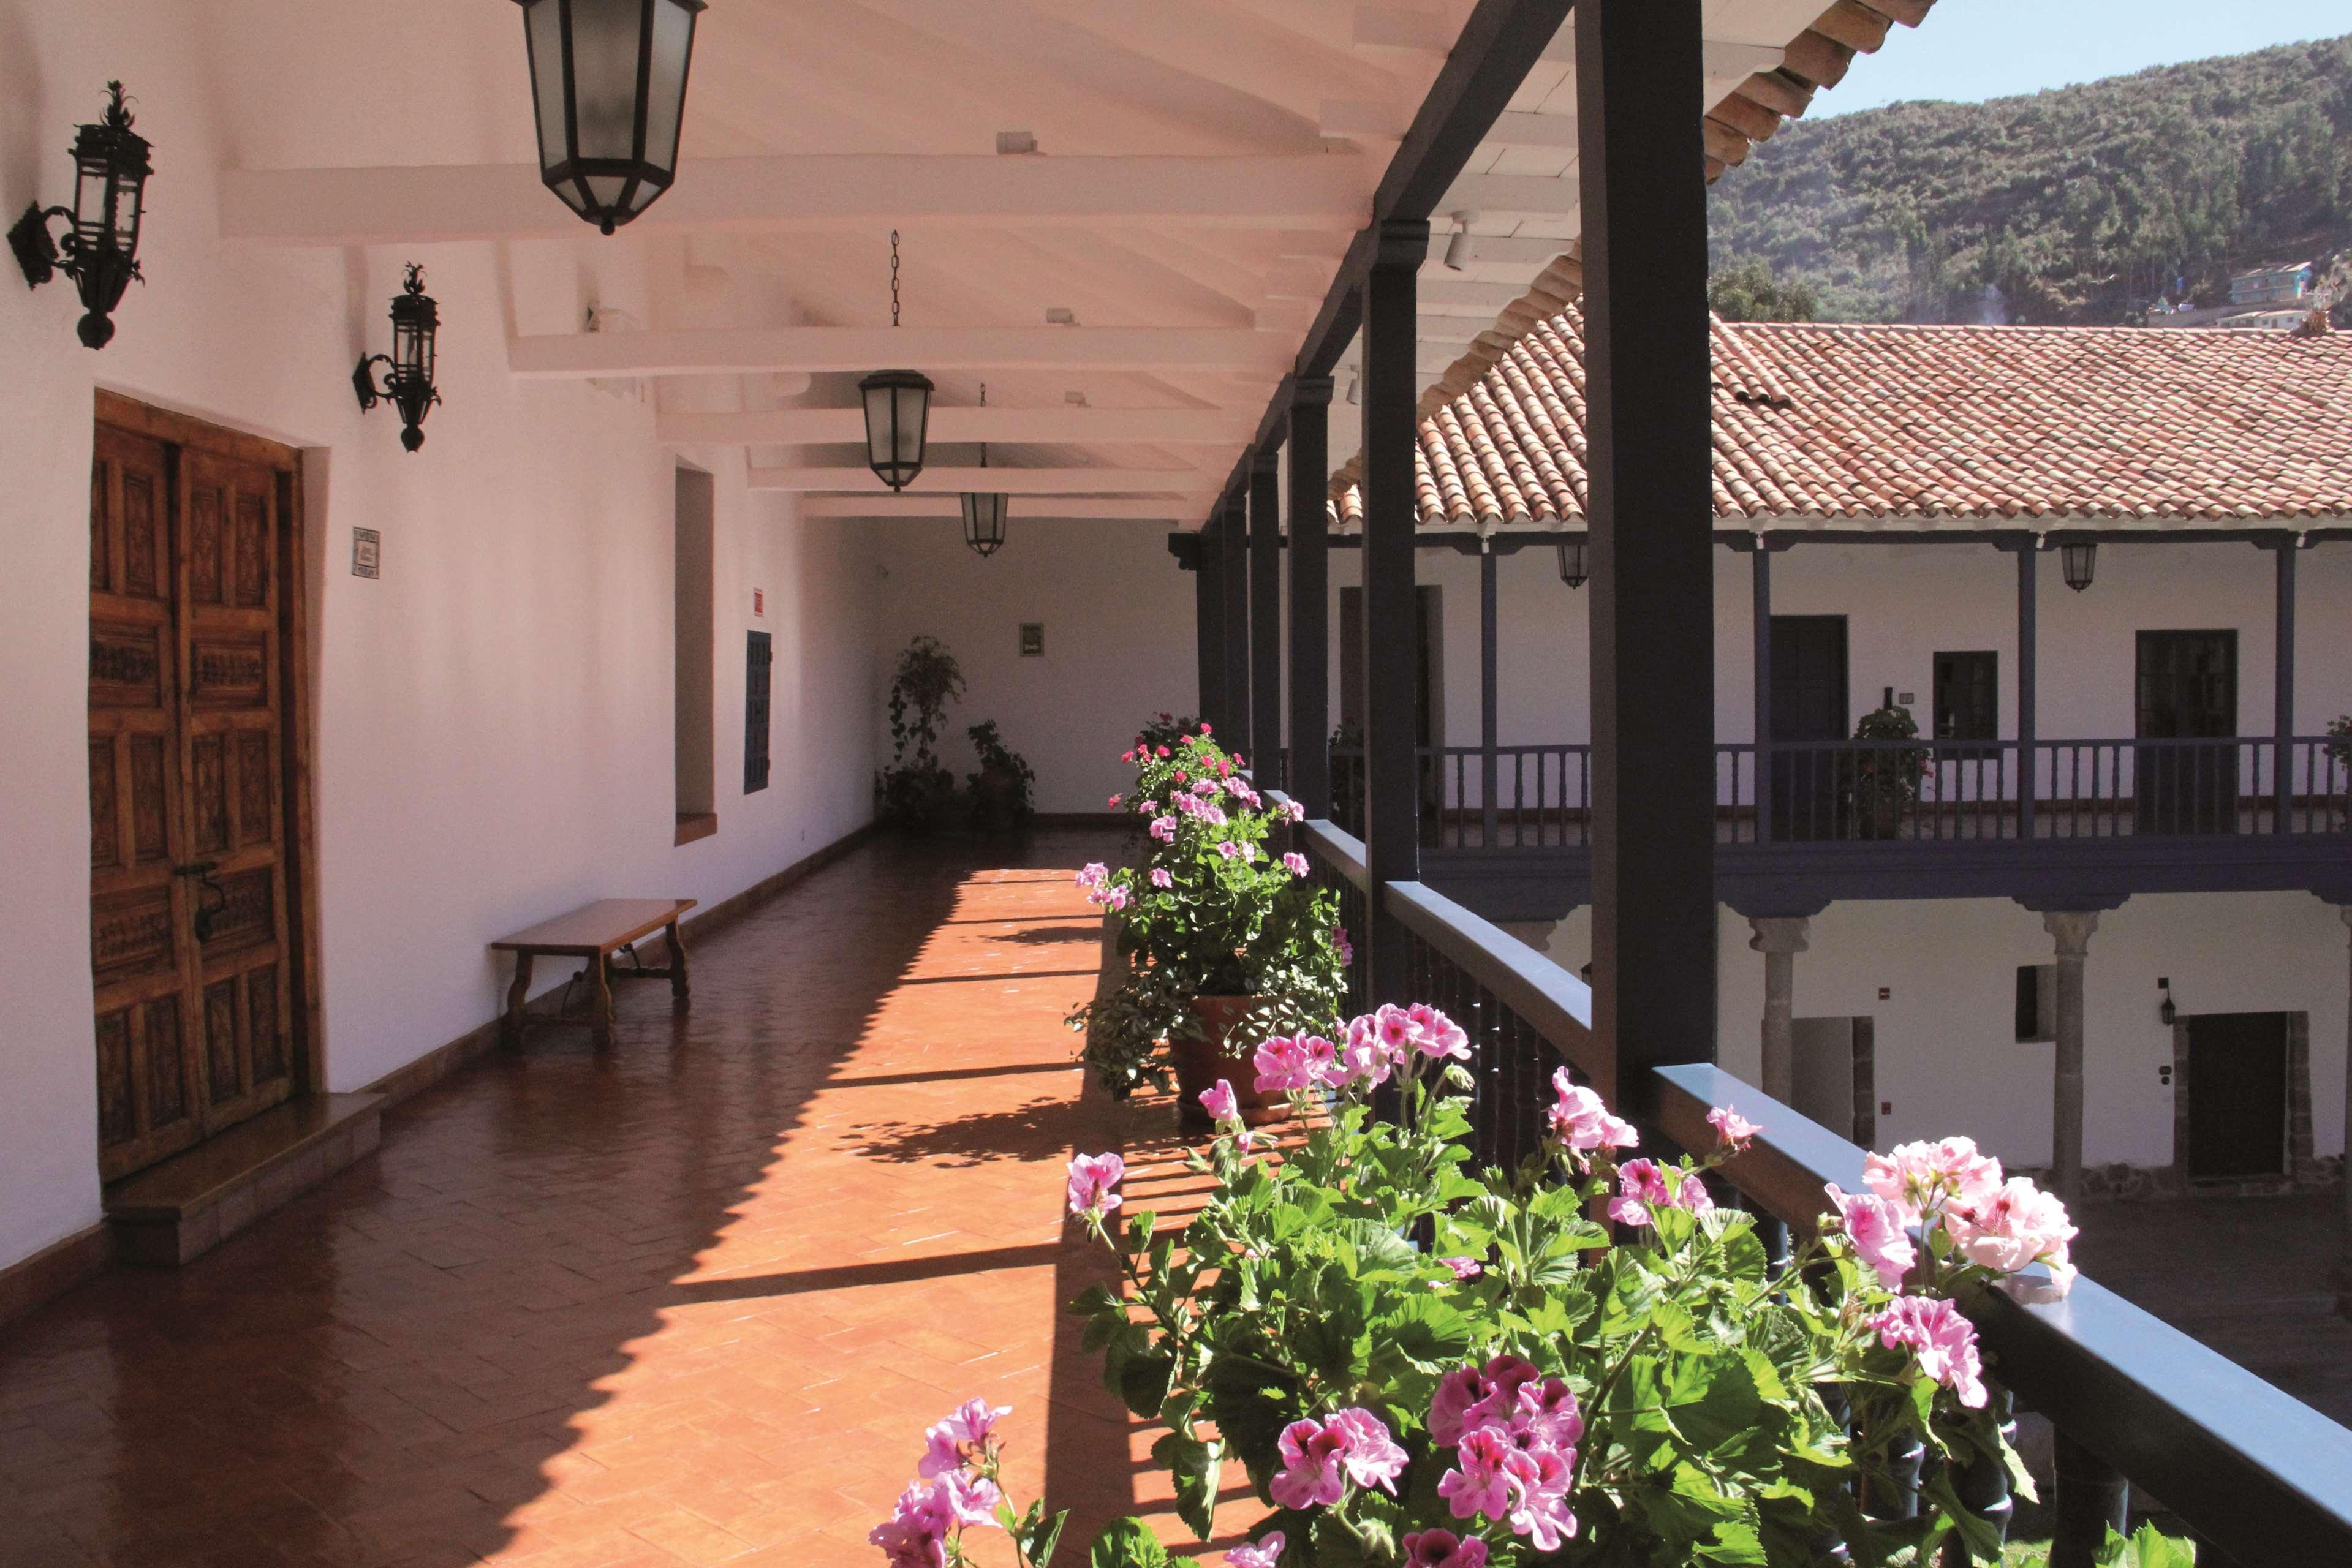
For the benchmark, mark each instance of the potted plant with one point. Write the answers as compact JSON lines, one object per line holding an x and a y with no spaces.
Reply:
{"x":1000,"y":791}
{"x":1223,"y":937}
{"x":916,"y":793}
{"x":1882,"y":781}
{"x":1414,"y":1360}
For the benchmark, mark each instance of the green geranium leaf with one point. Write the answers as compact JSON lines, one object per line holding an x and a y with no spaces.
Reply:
{"x":1143,"y":1383}
{"x":1194,"y":1465}
{"x":1127,"y":1543}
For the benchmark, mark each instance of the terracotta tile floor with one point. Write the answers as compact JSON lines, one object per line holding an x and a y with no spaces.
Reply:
{"x":691,"y":1301}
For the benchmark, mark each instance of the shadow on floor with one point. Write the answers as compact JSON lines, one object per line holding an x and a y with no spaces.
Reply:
{"x":439,"y":1357}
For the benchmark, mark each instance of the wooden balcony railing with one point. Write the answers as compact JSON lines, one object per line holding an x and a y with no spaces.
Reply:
{"x":1823,"y":792}
{"x":2261,"y":1477}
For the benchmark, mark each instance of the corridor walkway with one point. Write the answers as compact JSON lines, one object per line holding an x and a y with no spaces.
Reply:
{"x":691,"y":1301}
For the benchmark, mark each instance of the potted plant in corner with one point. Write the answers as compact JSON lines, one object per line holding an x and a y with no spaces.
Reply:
{"x":916,"y":793}
{"x":1000,"y":791}
{"x":1223,"y":939}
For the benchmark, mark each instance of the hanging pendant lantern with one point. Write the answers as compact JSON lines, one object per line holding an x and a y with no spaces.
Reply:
{"x":983,"y":510}
{"x":1572,"y":570}
{"x":2078,"y":561}
{"x":408,"y":369}
{"x":898,"y":409}
{"x":608,"y":91}
{"x":99,"y":251}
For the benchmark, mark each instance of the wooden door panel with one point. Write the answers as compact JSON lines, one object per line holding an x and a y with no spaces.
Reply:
{"x":235,"y":720}
{"x":141,"y":953}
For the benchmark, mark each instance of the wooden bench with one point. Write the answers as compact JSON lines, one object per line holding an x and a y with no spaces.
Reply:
{"x":596,"y":932}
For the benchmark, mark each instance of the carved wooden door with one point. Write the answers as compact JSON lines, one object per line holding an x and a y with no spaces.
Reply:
{"x":189,"y":931}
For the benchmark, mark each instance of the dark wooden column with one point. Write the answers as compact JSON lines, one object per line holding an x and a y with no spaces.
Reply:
{"x":2028,"y":564}
{"x":2283,"y":709}
{"x":1266,"y":617}
{"x":1762,"y":593}
{"x":1644,"y":188}
{"x":1391,"y":639}
{"x":1209,"y":622}
{"x":1309,"y":780}
{"x":1489,"y":615}
{"x":1232,"y":528}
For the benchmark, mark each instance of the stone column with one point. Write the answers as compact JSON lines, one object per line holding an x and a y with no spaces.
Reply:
{"x":2073,"y":929}
{"x":2343,"y":1266}
{"x":1780,"y":938}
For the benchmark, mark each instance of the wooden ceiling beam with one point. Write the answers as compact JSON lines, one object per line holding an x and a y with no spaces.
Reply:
{"x":939,"y":480}
{"x":733,"y":351}
{"x":1059,"y":424}
{"x":818,"y":191}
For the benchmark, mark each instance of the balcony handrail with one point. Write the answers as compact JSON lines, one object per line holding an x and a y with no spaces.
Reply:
{"x":2262,"y":1475}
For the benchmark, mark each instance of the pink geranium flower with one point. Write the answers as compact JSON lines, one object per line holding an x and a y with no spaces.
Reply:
{"x":1465,"y":1269}
{"x":1295,"y":863}
{"x":1944,"y":1342}
{"x":1159,"y":877}
{"x":1480,"y":1482}
{"x":1283,"y":1063}
{"x":1874,"y":1226}
{"x":1546,"y":1415}
{"x":915,"y":1535}
{"x":1436,"y":1035}
{"x":1164,"y":830}
{"x":1435,"y":1549}
{"x":1735,"y":1129}
{"x":1540,"y":1508}
{"x":2012,"y":1226}
{"x":1640,"y":1185}
{"x":1582,"y":1123}
{"x":967,"y":1500}
{"x":1263,"y":1553}
{"x":1094,"y":1182}
{"x":1229,"y":850}
{"x":961,"y":1434}
{"x":1093,"y":874}
{"x":1915,"y":1177}
{"x":1220,"y":1103}
{"x":1114,"y":899}
{"x":1114,"y":803}
{"x":1345,"y":949}
{"x":1310,"y":1472}
{"x":1362,"y":1057}
{"x":1370,"y":1456}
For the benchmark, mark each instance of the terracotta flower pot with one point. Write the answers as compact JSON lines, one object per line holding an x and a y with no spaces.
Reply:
{"x":1219,"y":1053}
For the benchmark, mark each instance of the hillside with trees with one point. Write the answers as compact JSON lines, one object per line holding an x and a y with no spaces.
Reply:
{"x":2078,"y":204}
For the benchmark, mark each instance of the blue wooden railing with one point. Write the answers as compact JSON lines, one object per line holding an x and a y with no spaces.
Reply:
{"x":2261,"y":1478}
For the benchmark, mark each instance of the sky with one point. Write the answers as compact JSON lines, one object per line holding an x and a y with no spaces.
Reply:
{"x":1973,"y":49}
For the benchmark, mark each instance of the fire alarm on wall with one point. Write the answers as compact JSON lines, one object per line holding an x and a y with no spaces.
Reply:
{"x":1885,"y":993}
{"x":758,"y":601}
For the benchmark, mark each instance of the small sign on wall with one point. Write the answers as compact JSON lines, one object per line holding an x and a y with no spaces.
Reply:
{"x":759,"y":601}
{"x":367,"y":553}
{"x":1032,"y":639}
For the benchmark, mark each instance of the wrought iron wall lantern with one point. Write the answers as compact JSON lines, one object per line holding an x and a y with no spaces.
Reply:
{"x":983,"y":510}
{"x":1572,"y":569}
{"x":408,"y":369}
{"x":2078,"y":561}
{"x":99,"y":250}
{"x":608,"y":92}
{"x":898,"y":409}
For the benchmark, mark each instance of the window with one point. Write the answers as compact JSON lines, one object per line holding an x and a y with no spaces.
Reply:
{"x":756,"y":658}
{"x":1968,"y":700}
{"x":697,"y":805}
{"x":2037,"y":1002}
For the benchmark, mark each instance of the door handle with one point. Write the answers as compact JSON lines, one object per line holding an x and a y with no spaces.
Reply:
{"x":211,"y":897}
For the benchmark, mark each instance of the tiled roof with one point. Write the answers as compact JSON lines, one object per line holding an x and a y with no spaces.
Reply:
{"x":1819,"y":422}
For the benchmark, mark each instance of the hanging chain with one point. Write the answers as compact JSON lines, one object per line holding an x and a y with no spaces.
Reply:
{"x":894,"y":277}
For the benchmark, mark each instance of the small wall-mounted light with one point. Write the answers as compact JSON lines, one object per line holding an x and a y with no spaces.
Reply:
{"x":1355,"y":387}
{"x":408,"y":369}
{"x":1573,"y":569}
{"x":2078,"y":561}
{"x":2165,"y":1012}
{"x":99,"y":250}
{"x":1457,"y":247}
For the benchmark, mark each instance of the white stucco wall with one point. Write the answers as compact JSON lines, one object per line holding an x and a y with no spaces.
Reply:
{"x":494,"y":740}
{"x":1119,"y":643}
